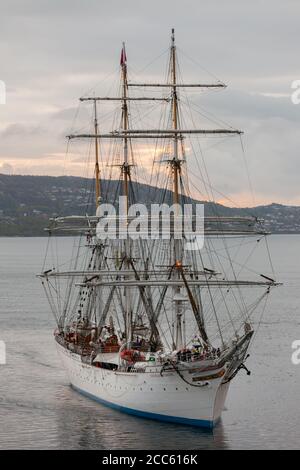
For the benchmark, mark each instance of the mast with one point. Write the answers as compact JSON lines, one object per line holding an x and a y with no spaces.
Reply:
{"x":175,"y":161}
{"x":126,"y":176}
{"x":97,"y":170}
{"x":175,"y":165}
{"x":125,"y":167}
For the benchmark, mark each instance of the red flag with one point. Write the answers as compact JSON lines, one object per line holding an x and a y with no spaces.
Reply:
{"x":123,"y":56}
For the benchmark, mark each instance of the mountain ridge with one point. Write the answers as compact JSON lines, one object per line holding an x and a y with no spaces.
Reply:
{"x":27,"y":202}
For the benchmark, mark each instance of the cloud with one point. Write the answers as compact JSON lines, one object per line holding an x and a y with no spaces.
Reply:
{"x":237,"y":104}
{"x":20,"y":130}
{"x":68,"y":114}
{"x":54,"y":51}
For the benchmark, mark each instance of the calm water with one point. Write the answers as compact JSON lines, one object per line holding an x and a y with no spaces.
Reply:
{"x":39,"y":410}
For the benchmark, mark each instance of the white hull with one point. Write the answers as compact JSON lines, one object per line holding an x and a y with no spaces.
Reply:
{"x":165,"y":397}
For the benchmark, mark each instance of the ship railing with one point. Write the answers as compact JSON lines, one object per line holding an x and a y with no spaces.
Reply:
{"x":79,"y":348}
{"x":108,"y":349}
{"x":189,"y":356}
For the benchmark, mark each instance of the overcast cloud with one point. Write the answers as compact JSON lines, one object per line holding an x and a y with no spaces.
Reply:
{"x":53,"y":51}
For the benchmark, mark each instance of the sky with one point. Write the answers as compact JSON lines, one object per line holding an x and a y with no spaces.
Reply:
{"x":54,"y":51}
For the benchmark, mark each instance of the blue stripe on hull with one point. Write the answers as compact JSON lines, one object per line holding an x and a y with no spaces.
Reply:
{"x":145,"y":414}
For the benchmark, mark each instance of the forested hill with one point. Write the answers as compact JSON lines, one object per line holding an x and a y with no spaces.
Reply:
{"x":27,"y":202}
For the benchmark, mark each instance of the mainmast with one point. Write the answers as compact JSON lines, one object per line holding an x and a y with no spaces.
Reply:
{"x":97,"y":170}
{"x":126,"y":176}
{"x":125,"y":166}
{"x":175,"y":162}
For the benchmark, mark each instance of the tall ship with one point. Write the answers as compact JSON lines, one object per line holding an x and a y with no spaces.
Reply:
{"x":157,"y":324}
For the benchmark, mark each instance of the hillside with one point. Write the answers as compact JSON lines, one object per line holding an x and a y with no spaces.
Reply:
{"x":27,"y":202}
